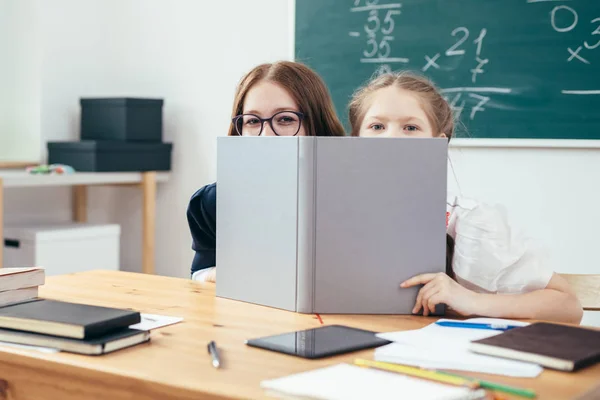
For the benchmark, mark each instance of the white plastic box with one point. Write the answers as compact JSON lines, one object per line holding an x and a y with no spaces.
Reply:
{"x":62,"y":248}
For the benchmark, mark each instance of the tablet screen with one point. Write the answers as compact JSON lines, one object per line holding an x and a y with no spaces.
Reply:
{"x":320,"y":342}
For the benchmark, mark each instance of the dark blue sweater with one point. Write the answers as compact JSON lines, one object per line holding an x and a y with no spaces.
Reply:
{"x":202,"y":219}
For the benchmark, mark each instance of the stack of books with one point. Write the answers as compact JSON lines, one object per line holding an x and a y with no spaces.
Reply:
{"x":20,"y":284}
{"x":28,"y":319}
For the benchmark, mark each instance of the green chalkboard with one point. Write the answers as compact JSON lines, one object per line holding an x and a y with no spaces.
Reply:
{"x":510,"y":68}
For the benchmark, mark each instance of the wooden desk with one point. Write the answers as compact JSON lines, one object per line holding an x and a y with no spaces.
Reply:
{"x":79,"y":182}
{"x":175,"y":364}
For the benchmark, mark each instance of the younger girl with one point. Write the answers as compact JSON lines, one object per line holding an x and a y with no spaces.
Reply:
{"x":279,"y":99}
{"x":491,"y":271}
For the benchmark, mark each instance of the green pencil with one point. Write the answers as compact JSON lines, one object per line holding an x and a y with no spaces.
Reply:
{"x":529,"y":393}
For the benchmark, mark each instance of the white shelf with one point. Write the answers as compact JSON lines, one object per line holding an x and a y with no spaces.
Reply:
{"x":23,"y":179}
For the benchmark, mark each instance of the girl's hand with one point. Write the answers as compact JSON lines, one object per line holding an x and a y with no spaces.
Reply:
{"x":440,"y":288}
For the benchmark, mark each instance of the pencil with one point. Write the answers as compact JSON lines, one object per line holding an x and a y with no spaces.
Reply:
{"x":529,"y":393}
{"x":417,"y":372}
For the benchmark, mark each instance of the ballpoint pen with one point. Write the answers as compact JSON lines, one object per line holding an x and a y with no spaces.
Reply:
{"x":212,"y":350}
{"x":475,"y":325}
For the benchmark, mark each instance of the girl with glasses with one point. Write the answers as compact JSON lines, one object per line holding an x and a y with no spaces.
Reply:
{"x":279,"y":99}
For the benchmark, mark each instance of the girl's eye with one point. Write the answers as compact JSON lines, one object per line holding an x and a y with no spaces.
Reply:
{"x":286,"y":120}
{"x":411,"y":128}
{"x":377,"y":127}
{"x":251,"y":121}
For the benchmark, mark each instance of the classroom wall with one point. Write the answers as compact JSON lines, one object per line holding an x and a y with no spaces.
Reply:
{"x":192,"y":53}
{"x":19,"y":81}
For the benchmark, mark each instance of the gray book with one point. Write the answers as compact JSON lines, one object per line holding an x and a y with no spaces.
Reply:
{"x":329,"y":225}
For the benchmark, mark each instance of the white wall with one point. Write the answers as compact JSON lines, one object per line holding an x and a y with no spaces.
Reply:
{"x":19,"y":81}
{"x":192,"y":53}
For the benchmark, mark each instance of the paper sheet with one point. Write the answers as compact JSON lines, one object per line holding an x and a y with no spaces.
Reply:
{"x":440,"y":336}
{"x":439,"y":347}
{"x":153,"y":321}
{"x":454,"y":359}
{"x":350,"y":382}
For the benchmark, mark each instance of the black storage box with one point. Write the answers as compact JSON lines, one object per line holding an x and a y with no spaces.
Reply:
{"x":125,"y":119}
{"x":111,"y":156}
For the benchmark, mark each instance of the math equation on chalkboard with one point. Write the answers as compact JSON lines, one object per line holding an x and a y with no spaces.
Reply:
{"x":376,"y":36}
{"x":508,"y":68}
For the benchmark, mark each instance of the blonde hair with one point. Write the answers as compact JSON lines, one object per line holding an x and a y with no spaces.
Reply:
{"x":436,"y":108}
{"x":306,"y":88}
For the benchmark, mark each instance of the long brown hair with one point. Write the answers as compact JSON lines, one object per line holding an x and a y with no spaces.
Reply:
{"x":306,"y":88}
{"x":436,"y":108}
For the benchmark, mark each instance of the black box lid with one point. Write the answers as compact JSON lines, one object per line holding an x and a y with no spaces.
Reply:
{"x":121,"y":101}
{"x":108,"y":145}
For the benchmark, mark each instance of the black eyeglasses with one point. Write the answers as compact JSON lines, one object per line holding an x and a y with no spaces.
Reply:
{"x":283,"y":123}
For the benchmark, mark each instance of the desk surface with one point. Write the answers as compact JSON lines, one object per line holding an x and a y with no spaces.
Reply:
{"x":11,"y":178}
{"x":175,"y":364}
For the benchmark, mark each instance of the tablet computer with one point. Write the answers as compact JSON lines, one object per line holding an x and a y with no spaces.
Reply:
{"x":320,"y":342}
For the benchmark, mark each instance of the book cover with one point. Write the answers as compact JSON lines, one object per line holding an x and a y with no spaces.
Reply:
{"x":556,"y":346}
{"x":60,"y":318}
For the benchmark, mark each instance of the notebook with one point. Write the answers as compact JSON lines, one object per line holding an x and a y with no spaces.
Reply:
{"x":18,"y":278}
{"x":101,"y":345}
{"x":439,"y":347}
{"x":561,"y":347}
{"x":59,"y":318}
{"x":349,"y":382}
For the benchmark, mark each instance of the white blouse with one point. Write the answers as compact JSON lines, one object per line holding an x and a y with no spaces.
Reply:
{"x":203,"y":274}
{"x":489,"y":255}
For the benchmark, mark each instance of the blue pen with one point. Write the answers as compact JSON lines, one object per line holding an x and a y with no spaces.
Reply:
{"x":476,"y":325}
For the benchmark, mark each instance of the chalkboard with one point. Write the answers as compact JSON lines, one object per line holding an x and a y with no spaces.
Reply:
{"x":510,"y":68}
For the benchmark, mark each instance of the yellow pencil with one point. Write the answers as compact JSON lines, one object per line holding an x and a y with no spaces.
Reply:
{"x":417,"y":372}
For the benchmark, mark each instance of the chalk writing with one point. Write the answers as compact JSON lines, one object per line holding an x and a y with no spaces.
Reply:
{"x":379,"y":34}
{"x":568,"y":24}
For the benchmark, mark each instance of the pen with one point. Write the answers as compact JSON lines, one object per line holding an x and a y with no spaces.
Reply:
{"x":474,"y":325}
{"x":212,"y":350}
